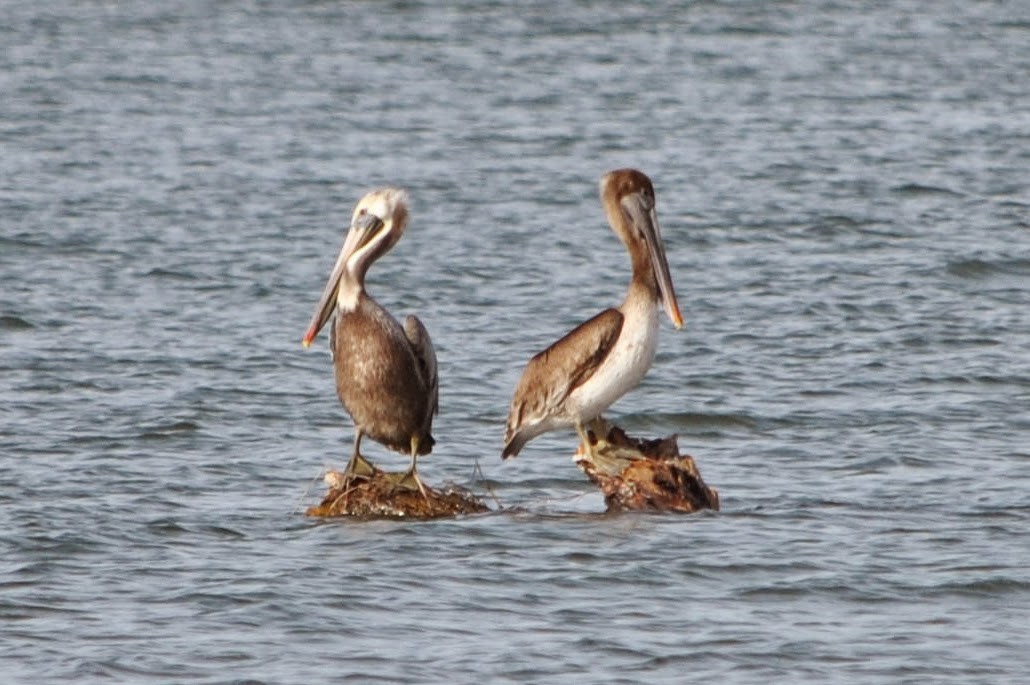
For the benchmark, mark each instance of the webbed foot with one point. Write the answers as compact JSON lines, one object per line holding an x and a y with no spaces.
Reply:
{"x":408,"y":480}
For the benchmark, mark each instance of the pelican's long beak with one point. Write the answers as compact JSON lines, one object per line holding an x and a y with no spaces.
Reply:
{"x":364,"y":226}
{"x":661,"y":270}
{"x":646,"y":220}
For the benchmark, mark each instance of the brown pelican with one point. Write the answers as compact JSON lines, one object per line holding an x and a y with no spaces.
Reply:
{"x":574,"y":380}
{"x":385,"y":372}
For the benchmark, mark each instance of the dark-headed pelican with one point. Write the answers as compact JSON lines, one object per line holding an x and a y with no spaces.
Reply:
{"x":574,"y":380}
{"x":385,"y":372}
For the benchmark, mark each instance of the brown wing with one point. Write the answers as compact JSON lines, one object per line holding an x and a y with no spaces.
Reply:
{"x":553,"y":374}
{"x":422,"y":346}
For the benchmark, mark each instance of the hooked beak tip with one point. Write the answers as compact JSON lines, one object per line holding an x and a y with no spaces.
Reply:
{"x":675,"y":316}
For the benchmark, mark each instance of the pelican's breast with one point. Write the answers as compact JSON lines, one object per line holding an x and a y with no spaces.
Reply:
{"x":624,"y":367}
{"x":377,"y":377}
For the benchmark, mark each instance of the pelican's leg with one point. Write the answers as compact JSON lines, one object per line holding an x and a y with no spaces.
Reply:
{"x":358,"y":466}
{"x":584,"y":439}
{"x":410,"y":476}
{"x":605,"y":457}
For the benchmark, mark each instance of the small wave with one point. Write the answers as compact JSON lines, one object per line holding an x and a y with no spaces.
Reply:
{"x":14,"y":323}
{"x":746,"y":30}
{"x":20,"y":243}
{"x":702,"y":420}
{"x":918,"y":189}
{"x":169,"y":430}
{"x":690,"y":421}
{"x":983,"y":268}
{"x":987,"y":587}
{"x":136,"y":79}
{"x":170,"y":274}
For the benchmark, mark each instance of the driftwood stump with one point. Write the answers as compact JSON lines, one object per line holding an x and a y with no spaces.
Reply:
{"x":377,"y":495}
{"x":633,"y":474}
{"x":643,"y":474}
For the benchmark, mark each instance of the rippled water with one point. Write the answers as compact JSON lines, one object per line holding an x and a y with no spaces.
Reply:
{"x":843,"y":191}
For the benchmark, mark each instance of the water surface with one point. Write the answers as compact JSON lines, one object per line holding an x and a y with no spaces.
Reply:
{"x":844,"y":198}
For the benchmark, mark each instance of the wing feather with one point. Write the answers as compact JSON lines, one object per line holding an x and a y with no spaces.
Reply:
{"x":552,"y":375}
{"x":425,"y":354}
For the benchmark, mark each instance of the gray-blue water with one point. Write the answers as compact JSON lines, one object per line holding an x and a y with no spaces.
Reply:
{"x":843,"y":190}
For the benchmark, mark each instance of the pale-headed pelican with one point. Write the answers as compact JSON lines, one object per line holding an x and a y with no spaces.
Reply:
{"x":385,"y":372}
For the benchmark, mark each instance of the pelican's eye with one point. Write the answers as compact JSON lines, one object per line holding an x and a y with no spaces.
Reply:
{"x":647,"y":200}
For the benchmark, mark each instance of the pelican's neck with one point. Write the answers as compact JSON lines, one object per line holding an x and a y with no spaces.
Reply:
{"x":643,"y":278}
{"x":642,"y":290}
{"x":352,"y":283}
{"x":642,"y":283}
{"x":352,"y":287}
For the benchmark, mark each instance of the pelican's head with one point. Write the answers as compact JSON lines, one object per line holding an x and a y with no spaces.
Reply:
{"x":629,"y":202}
{"x":376,"y":225}
{"x":380,"y":215}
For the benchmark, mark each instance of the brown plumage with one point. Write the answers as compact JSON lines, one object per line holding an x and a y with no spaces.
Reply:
{"x":386,"y":374}
{"x":574,"y":380}
{"x":551,"y":375}
{"x":383,"y":379}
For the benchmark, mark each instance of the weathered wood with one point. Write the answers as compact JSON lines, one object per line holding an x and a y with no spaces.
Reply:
{"x":632,"y":473}
{"x":643,"y":474}
{"x":383,"y":495}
